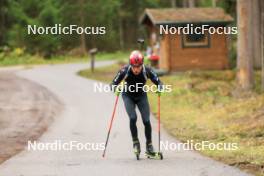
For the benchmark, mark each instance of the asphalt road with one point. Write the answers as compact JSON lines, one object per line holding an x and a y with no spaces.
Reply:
{"x":85,"y":119}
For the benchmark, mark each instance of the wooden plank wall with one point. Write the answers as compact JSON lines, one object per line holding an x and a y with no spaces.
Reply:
{"x":176,"y":58}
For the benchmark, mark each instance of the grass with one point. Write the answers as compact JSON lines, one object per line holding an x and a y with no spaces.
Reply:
{"x":202,"y":107}
{"x":14,"y":58}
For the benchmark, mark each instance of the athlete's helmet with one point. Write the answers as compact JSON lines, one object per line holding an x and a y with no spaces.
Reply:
{"x":136,"y":58}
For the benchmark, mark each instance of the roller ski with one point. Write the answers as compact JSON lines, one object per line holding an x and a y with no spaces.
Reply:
{"x":151,"y":154}
{"x":136,"y":147}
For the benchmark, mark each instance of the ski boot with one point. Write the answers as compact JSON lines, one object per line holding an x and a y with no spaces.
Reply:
{"x":136,"y":147}
{"x":151,"y":154}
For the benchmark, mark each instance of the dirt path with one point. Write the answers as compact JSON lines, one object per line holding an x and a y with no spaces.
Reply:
{"x":26,"y":110}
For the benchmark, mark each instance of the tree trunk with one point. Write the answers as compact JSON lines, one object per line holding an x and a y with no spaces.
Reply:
{"x":82,"y":37}
{"x":262,"y":42}
{"x":121,"y":34}
{"x":3,"y":14}
{"x":256,"y":14}
{"x":191,"y":3}
{"x":214,"y":3}
{"x":185,"y":3}
{"x":173,"y":3}
{"x":244,"y":45}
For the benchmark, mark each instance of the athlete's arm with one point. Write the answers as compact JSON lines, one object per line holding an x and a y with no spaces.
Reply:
{"x":153,"y":76}
{"x":119,"y":76}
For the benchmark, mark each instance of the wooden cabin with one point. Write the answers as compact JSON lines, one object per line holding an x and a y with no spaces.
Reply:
{"x":179,"y":52}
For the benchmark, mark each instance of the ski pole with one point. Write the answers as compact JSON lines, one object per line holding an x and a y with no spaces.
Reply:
{"x":159,"y":120}
{"x":110,"y":126}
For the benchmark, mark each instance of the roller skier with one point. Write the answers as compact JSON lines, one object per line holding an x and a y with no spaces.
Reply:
{"x":135,"y":75}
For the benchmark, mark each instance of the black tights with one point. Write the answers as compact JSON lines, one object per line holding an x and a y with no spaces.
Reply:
{"x":142,"y":103}
{"x":134,"y":133}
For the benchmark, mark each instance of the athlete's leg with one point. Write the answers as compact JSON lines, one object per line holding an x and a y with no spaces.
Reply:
{"x":143,"y":106}
{"x":131,"y":111}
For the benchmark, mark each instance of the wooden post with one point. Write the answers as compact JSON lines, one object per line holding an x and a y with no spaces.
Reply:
{"x":92,"y":53}
{"x":141,"y":41}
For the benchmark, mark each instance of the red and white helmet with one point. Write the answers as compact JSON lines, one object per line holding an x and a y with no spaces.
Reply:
{"x":136,"y":58}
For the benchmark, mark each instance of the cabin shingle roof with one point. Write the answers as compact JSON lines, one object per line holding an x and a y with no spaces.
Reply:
{"x":185,"y":15}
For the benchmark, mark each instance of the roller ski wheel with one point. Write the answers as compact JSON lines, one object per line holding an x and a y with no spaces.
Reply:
{"x":154,"y":155}
{"x":151,"y":154}
{"x":136,"y":147}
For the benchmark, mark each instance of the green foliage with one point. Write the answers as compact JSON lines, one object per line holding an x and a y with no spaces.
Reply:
{"x":120,"y":17}
{"x":205,"y":3}
{"x":19,"y":56}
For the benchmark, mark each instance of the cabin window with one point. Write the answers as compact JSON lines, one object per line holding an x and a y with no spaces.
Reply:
{"x":195,"y":40}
